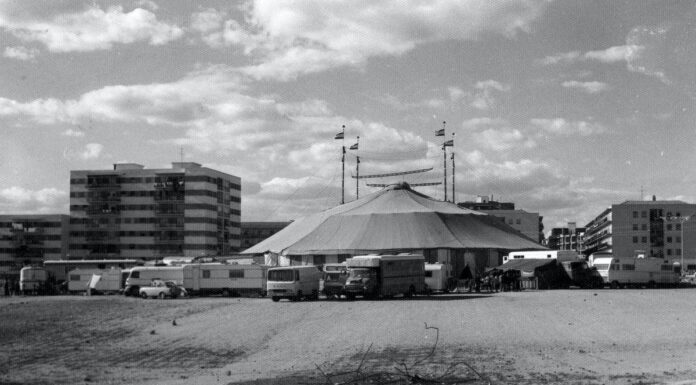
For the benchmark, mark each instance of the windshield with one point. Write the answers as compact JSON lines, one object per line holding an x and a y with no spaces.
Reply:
{"x":361,"y":273}
{"x":286,"y":275}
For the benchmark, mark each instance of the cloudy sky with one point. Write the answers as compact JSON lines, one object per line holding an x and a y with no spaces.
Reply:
{"x":563,"y":107}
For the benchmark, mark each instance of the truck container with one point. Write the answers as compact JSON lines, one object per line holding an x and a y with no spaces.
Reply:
{"x":231,"y":279}
{"x":108,"y":281}
{"x":293,"y":282}
{"x":143,"y":276}
{"x":636,"y":272}
{"x":438,"y":278}
{"x":376,"y":276}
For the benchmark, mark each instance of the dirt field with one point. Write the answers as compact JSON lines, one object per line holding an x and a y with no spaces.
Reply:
{"x":548,"y":337}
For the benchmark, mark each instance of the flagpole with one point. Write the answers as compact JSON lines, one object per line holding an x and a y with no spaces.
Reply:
{"x":453,"y":199}
{"x":357,"y":173}
{"x":444,"y":161}
{"x":343,"y":167}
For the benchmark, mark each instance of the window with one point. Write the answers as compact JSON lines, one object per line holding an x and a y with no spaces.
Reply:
{"x":635,"y":239}
{"x":627,"y":266}
{"x":643,"y":214}
{"x":677,"y":227}
{"x":635,"y":214}
{"x":677,"y":251}
{"x":669,"y":239}
{"x":669,"y":251}
{"x":510,"y":221}
{"x":669,"y":227}
{"x":135,"y":274}
{"x":644,"y":239}
{"x":206,"y":273}
{"x":644,"y":226}
{"x":678,"y":239}
{"x":519,"y":221}
{"x":74,"y":277}
{"x":236,"y":273}
{"x":635,"y":227}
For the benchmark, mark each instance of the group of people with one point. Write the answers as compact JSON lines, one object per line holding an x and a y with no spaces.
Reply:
{"x":492,"y":281}
{"x":11,"y":287}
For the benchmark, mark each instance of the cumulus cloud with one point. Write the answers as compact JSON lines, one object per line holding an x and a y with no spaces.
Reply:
{"x":567,"y":57}
{"x":17,"y":199}
{"x":91,"y":29}
{"x":92,"y":151}
{"x":484,"y":98}
{"x":560,"y":126}
{"x":592,"y":87}
{"x":73,"y":133}
{"x":497,"y":134}
{"x":290,"y":38}
{"x":20,"y":53}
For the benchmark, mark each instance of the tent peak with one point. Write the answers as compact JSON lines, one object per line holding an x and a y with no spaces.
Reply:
{"x":399,"y":186}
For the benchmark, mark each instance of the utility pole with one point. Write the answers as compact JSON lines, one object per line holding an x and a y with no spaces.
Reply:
{"x":444,"y":161}
{"x":342,"y":135}
{"x":453,"y":199}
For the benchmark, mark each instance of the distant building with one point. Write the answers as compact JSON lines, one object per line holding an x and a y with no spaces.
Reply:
{"x":31,"y":239}
{"x":255,"y":232}
{"x":483,"y":203}
{"x":657,"y":228}
{"x":134,"y":212}
{"x":564,"y":238}
{"x":529,"y":224}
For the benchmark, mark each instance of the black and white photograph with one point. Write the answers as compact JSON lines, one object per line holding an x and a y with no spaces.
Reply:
{"x":347,"y":192}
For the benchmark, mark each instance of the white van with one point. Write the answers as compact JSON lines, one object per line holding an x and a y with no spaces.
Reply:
{"x":143,"y":276}
{"x":293,"y":282}
{"x":227,"y":279}
{"x":109,"y":280}
{"x":437,"y":277}
{"x":637,"y":272}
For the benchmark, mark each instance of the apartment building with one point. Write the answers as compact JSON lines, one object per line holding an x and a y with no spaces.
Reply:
{"x":565,"y":238}
{"x":656,"y":228}
{"x":31,"y":239}
{"x":255,"y":232}
{"x":134,"y":212}
{"x":525,"y":222}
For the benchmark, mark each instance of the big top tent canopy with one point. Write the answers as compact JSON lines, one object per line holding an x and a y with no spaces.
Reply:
{"x":395,"y":218}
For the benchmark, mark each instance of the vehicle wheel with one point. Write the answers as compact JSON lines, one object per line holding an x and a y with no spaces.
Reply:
{"x":315,"y":295}
{"x":275,"y":299}
{"x":652,"y":285}
{"x":225,"y":292}
{"x":411,"y":292}
{"x":615,"y":285}
{"x":262,"y":293}
{"x":299,"y":296}
{"x":143,"y":295}
{"x":161,"y":295}
{"x":350,"y":296}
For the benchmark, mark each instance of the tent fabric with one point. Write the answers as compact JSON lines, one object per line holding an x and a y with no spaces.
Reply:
{"x":395,"y":218}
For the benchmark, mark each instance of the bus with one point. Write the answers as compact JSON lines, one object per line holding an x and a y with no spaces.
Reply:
{"x":636,"y":272}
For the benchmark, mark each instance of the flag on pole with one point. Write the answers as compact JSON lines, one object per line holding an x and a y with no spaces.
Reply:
{"x":440,"y":132}
{"x":354,"y":147}
{"x":449,"y":143}
{"x":339,"y":135}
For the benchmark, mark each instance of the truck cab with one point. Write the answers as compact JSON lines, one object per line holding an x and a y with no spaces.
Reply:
{"x":293,"y":282}
{"x":334,"y":279}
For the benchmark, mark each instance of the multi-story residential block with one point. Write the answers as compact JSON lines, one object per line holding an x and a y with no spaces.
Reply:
{"x":657,"y":228}
{"x":255,"y":232}
{"x":525,"y":222}
{"x":134,"y":212}
{"x":565,"y":238}
{"x":31,"y":239}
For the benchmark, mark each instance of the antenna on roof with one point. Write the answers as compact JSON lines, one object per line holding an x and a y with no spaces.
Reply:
{"x":181,"y":153}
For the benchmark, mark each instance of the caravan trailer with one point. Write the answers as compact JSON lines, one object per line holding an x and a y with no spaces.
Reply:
{"x":636,"y":272}
{"x":227,"y":279}
{"x":560,"y":255}
{"x":32,"y":280}
{"x":143,"y":276}
{"x":109,"y":280}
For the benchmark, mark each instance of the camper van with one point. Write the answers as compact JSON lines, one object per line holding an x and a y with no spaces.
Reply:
{"x":32,"y":280}
{"x":227,"y":279}
{"x":635,"y":272}
{"x":560,"y":255}
{"x":143,"y":276}
{"x":293,"y":282}
{"x":108,"y":281}
{"x":437,"y":278}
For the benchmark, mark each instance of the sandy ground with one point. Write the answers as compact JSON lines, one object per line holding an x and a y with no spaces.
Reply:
{"x":547,"y":337}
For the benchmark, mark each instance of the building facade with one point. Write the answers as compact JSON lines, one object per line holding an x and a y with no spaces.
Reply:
{"x":525,"y":222}
{"x":255,"y":232}
{"x":657,"y":228}
{"x":134,"y":212}
{"x":31,"y":239}
{"x":564,"y":238}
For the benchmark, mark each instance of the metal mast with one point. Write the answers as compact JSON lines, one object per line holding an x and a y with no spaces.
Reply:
{"x":444,"y":161}
{"x":343,"y":166}
{"x":357,"y":172}
{"x":453,"y":199}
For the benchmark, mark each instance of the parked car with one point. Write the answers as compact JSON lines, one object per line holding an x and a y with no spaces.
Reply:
{"x":162,"y":289}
